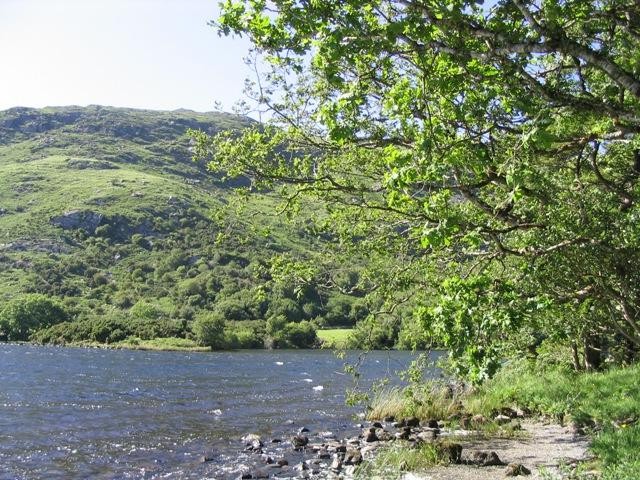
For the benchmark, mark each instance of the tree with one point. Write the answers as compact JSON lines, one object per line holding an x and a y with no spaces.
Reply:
{"x":24,"y":315}
{"x":466,"y":142}
{"x":209,"y":330}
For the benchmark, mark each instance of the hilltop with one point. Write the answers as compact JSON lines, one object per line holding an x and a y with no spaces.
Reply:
{"x":103,"y":211}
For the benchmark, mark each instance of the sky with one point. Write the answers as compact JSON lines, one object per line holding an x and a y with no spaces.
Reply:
{"x":156,"y":54}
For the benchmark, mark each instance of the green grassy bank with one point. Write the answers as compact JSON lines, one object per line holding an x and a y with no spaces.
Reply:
{"x":606,"y":405}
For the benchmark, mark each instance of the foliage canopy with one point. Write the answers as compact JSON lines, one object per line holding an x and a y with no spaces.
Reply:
{"x":486,"y":144}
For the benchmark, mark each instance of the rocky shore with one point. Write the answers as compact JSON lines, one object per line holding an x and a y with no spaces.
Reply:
{"x":320,"y":455}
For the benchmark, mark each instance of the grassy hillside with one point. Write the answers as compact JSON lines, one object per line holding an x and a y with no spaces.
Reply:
{"x":103,"y":210}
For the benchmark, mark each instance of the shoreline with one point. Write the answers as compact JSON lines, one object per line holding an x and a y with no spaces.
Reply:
{"x":464,"y":454}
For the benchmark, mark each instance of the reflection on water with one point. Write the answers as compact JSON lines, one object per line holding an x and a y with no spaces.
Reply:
{"x":79,"y":413}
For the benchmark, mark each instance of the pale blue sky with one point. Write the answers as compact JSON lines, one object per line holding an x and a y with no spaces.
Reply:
{"x":157,"y":54}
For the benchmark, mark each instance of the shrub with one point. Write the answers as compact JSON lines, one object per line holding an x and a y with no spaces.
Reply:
{"x":145,"y":310}
{"x":24,"y":315}
{"x":299,"y":335}
{"x":209,"y":330}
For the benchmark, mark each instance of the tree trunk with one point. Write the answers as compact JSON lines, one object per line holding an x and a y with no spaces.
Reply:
{"x":592,"y":353}
{"x":575,"y":357}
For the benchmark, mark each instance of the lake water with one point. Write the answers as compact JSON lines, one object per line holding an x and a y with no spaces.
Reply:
{"x":68,"y":413}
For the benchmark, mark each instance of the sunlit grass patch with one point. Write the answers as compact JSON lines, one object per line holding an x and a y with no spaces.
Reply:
{"x":335,"y":337}
{"x":431,"y":401}
{"x":167,"y":343}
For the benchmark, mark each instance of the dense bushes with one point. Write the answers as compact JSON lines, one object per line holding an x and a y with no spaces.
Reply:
{"x":209,"y":330}
{"x":109,"y":329}
{"x":23,"y":315}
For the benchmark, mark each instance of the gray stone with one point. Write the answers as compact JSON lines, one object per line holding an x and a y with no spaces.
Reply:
{"x":516,"y":469}
{"x":299,"y":441}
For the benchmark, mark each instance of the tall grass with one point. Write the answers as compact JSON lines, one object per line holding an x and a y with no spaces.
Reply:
{"x":431,"y":401}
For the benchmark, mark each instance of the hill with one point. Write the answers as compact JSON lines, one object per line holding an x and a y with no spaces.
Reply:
{"x":104,"y":213}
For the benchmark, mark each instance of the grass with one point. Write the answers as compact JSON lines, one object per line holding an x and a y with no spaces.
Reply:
{"x":165,"y":344}
{"x":394,"y":460}
{"x":337,"y":338}
{"x":607,"y":403}
{"x":431,"y":401}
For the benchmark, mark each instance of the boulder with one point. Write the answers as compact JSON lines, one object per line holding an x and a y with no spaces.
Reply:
{"x":299,"y":441}
{"x":484,"y":459}
{"x":336,"y":464}
{"x":451,"y":452}
{"x":412,"y":422}
{"x":427,"y":436}
{"x":370,"y":436}
{"x":502,"y":419}
{"x":431,"y":423}
{"x":76,"y":219}
{"x":516,"y":469}
{"x":252,"y":442}
{"x":353,"y":457}
{"x":400,"y":424}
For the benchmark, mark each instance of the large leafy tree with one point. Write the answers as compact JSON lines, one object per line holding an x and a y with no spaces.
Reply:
{"x":492,"y":145}
{"x":24,"y":315}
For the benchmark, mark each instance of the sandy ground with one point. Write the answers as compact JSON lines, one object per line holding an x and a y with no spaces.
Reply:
{"x":542,"y":450}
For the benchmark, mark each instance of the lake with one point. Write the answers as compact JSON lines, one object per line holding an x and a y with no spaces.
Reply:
{"x":69,"y":413}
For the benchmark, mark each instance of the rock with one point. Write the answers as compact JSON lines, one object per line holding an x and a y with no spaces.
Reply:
{"x":502,"y":419}
{"x":508,"y":412}
{"x":427,"y":436}
{"x":484,"y":459}
{"x":301,"y":467}
{"x":389,"y":418}
{"x":303,"y":430}
{"x":327,"y":435}
{"x":515,"y":469}
{"x":299,"y":441}
{"x":465,"y":422}
{"x":370,"y":436}
{"x":452,"y":452}
{"x":267,"y":459}
{"x":275,"y":440}
{"x":412,"y":422}
{"x":323,"y":453}
{"x":353,"y":457}
{"x":282,"y":462}
{"x":478,"y":419}
{"x":376,"y":425}
{"x":336,"y":464}
{"x":353,"y":441}
{"x":431,"y":423}
{"x":384,"y":436}
{"x":74,"y":219}
{"x":252,"y":442}
{"x":405,"y":434}
{"x":399,"y":424}
{"x":261,"y":474}
{"x":206,"y":458}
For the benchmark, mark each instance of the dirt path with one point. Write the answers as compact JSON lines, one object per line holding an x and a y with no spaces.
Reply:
{"x":543,"y":449}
